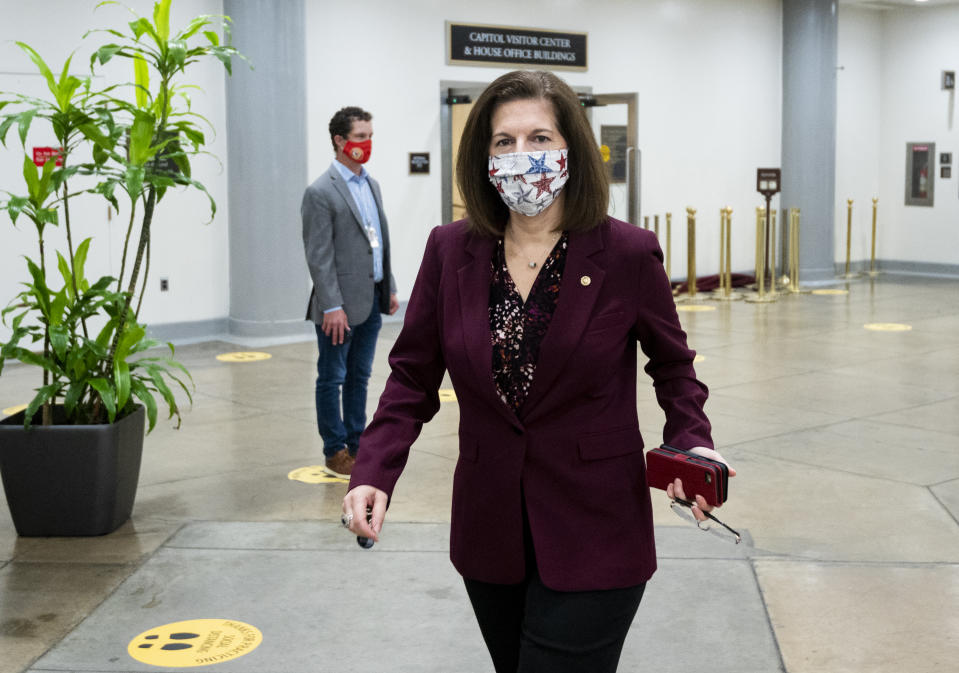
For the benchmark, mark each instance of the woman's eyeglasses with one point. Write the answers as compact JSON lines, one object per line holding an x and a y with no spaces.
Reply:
{"x":683,"y":508}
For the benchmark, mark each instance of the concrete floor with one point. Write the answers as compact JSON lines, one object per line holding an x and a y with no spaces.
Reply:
{"x":846,"y":442}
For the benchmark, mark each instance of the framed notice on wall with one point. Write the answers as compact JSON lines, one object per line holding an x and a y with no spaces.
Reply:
{"x":614,"y":137}
{"x":920,"y":174}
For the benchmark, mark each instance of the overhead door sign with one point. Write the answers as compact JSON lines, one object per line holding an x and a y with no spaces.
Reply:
{"x":469,"y":44}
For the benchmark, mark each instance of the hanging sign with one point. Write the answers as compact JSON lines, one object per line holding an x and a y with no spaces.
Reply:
{"x":469,"y":44}
{"x":768,"y":181}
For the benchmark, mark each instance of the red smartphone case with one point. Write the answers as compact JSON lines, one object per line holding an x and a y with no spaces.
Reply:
{"x":701,"y":476}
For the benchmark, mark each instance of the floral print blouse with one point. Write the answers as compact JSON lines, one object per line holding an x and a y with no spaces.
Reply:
{"x":518,"y":328}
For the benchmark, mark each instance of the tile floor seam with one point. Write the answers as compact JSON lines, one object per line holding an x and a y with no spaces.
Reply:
{"x":133,"y":567}
{"x":769,"y":619}
{"x":833,"y":469}
{"x":792,"y":558}
{"x":200,"y":424}
{"x":952,"y":396}
{"x":942,"y":483}
{"x":943,"y":505}
{"x":347,"y":550}
{"x":787,"y":433}
{"x":222,"y":472}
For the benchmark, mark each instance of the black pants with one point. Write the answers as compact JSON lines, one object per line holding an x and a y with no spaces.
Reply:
{"x":529,"y":628}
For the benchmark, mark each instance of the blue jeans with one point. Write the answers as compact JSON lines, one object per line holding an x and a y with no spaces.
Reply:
{"x":345,"y":368}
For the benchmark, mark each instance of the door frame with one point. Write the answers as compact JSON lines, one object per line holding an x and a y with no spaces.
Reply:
{"x":633,"y":155}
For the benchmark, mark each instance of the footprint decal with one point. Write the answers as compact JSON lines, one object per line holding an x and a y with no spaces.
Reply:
{"x":196,"y":642}
{"x":171,"y":646}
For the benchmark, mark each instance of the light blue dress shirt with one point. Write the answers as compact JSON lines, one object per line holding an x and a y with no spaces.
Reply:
{"x":362,"y":195}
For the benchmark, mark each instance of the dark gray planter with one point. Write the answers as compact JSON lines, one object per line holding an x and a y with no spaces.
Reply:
{"x":70,"y":480}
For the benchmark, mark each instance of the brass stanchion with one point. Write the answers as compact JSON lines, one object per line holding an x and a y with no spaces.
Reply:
{"x":690,"y":256}
{"x":669,"y":242}
{"x":725,"y":290}
{"x":784,"y":280}
{"x":691,"y":252}
{"x":848,"y":274}
{"x":872,"y":256}
{"x":772,"y":253}
{"x":656,"y":226}
{"x":760,"y":219}
{"x":794,"y":252}
{"x":646,"y":222}
{"x":762,"y":249}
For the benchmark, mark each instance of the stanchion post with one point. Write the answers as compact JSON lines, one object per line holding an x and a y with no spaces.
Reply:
{"x":772,"y":253}
{"x":656,"y":226}
{"x":729,"y":252}
{"x":691,"y":252}
{"x":760,"y":218}
{"x":848,"y":234}
{"x":761,"y":259}
{"x":724,"y":291}
{"x":872,"y":254}
{"x":768,"y":183}
{"x":794,"y":249}
{"x":721,"y":289}
{"x":646,"y":222}
{"x":764,"y":223}
{"x":669,"y":243}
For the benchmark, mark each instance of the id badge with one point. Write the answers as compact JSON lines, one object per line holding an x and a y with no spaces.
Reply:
{"x":374,"y":239}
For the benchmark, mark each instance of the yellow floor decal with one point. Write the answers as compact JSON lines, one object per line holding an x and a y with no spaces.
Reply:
{"x":830,"y":292}
{"x":195,"y":642}
{"x":243,"y":356}
{"x":447,"y":395}
{"x":315,"y":474}
{"x":887,"y":327}
{"x":10,"y":411}
{"x":699,"y":358}
{"x":695,"y":308}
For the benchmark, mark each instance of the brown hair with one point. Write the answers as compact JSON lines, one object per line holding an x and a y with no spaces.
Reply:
{"x":587,"y":189}
{"x":342,"y":122}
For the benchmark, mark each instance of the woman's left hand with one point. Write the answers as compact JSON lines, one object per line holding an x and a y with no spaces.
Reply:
{"x":675,"y":490}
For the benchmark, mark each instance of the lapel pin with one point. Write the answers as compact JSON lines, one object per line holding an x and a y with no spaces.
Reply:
{"x":585,"y":281}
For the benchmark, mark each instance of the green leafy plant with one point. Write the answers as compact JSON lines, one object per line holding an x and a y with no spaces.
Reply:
{"x":137,"y":141}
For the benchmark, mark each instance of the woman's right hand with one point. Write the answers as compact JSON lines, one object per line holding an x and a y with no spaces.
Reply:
{"x":356,"y":501}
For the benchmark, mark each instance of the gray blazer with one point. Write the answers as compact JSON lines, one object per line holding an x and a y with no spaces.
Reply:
{"x":338,"y":251}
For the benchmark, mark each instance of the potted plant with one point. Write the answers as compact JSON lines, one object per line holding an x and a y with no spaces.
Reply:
{"x":70,"y":461}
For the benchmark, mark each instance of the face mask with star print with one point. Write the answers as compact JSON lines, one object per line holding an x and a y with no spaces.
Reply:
{"x":528,"y":182}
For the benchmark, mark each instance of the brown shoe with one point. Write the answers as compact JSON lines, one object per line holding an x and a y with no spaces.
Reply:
{"x":340,"y":463}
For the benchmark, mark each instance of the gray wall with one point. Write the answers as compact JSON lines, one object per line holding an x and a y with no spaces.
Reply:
{"x":266,"y":126}
{"x":810,"y":32}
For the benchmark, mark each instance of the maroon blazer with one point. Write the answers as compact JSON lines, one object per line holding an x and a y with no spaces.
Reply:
{"x":574,"y":451}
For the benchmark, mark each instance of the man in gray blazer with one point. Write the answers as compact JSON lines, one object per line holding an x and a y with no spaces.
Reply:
{"x":347,"y":246}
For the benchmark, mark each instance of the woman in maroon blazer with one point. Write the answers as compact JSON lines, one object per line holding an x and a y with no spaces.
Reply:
{"x":535,"y":305}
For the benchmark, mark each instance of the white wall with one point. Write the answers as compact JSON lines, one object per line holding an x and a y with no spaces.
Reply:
{"x":917,"y":44}
{"x":708,"y":74}
{"x":194,"y":255}
{"x":858,"y":118}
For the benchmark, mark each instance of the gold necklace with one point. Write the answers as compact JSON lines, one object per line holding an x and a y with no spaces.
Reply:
{"x":531,"y":263}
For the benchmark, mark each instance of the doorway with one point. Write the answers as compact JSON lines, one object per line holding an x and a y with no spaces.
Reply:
{"x":614,"y":118}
